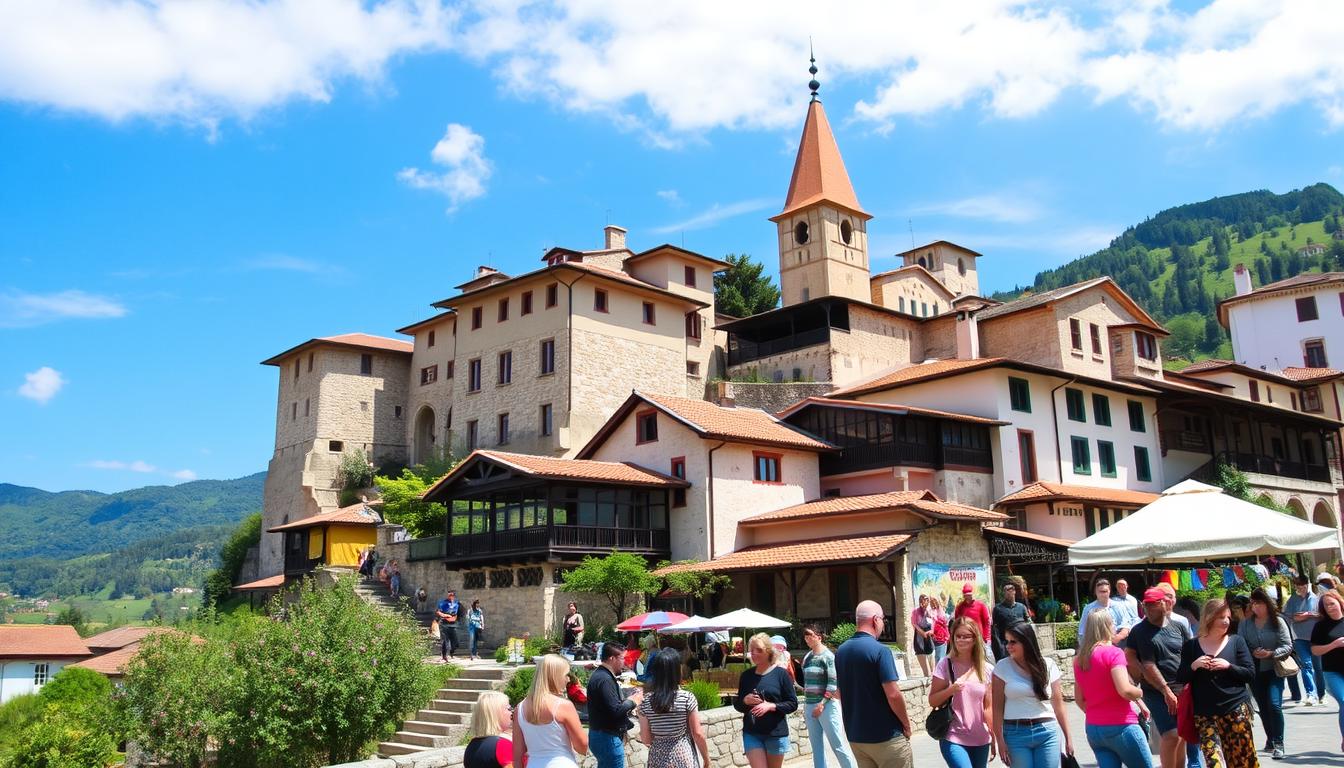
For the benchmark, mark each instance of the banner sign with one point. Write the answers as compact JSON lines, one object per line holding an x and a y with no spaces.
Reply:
{"x":946,"y":581}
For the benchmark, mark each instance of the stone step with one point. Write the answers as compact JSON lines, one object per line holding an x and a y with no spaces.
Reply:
{"x":484,"y":673}
{"x":391,"y":748}
{"x":427,"y":727}
{"x":471,"y":684}
{"x":425,"y":741}
{"x":445,"y":715}
{"x":447,"y":695}
{"x":452,"y":705}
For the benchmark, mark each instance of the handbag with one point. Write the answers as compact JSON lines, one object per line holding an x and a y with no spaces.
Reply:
{"x":1185,"y":716}
{"x":1067,"y":761}
{"x":1287,"y":666}
{"x":938,"y":723}
{"x":434,"y":630}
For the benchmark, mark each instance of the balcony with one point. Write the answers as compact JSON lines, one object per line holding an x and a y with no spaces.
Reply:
{"x":1268,"y":465}
{"x":856,"y":458}
{"x":298,"y":563}
{"x":565,"y":542}
{"x":744,"y":351}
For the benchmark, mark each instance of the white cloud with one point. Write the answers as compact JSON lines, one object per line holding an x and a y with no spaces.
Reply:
{"x":1000,"y":208}
{"x":184,"y":474}
{"x":41,"y":385}
{"x":280,"y":262}
{"x":142,"y":467}
{"x":203,"y":61}
{"x":670,"y":196}
{"x":714,"y":214}
{"x":19,"y":309}
{"x":462,"y":152}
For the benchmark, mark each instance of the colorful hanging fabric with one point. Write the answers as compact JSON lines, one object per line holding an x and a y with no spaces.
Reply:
{"x":1195,"y":581}
{"x":1171,"y":578}
{"x":1204,"y":576}
{"x":1260,"y":571}
{"x":1185,"y":581}
{"x":1240,"y":571}
{"x":1230,"y":578}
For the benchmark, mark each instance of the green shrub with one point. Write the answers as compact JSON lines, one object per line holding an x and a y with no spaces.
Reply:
{"x":355,"y":470}
{"x":15,"y":716}
{"x":842,"y":632}
{"x":532,"y":647}
{"x":1066,"y":635}
{"x":518,"y":686}
{"x":78,"y":687}
{"x":65,"y":737}
{"x":706,"y":694}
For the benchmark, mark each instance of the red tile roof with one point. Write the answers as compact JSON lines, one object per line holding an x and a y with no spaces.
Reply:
{"x":607,"y":274}
{"x":40,"y":641}
{"x":355,"y":514}
{"x":1043,"y":491}
{"x":1212,"y":364}
{"x":844,"y":549}
{"x":120,"y":637}
{"x":356,"y":340}
{"x":270,"y":582}
{"x":818,"y":171}
{"x":742,"y":424}
{"x":920,"y":372}
{"x":924,"y":503}
{"x":113,"y":663}
{"x":899,"y":410}
{"x":1306,"y":375}
{"x":551,"y":468}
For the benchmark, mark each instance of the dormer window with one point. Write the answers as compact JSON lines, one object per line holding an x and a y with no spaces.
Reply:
{"x":1145,"y":345}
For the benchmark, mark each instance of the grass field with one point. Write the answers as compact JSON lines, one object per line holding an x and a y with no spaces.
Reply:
{"x":102,"y":611}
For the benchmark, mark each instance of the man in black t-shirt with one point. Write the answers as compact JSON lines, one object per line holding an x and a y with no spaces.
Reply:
{"x":1155,"y":645}
{"x":1006,"y":613}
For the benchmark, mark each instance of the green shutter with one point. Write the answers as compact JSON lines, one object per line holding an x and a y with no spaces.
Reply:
{"x":1101,"y":409}
{"x":1141,"y":468}
{"x":1019,"y":394}
{"x":1137,"y":422}
{"x":1106,"y":457}
{"x":1073,"y":399}
{"x":1082,"y":456}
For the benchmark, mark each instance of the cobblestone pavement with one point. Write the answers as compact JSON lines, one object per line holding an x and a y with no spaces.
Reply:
{"x":1311,"y":735}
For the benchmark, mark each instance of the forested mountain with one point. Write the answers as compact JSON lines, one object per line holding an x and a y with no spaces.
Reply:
{"x":1178,"y":264}
{"x":142,"y":540}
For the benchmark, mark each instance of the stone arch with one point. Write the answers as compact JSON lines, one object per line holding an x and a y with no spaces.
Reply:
{"x":1297,"y":508}
{"x":1322,"y":514}
{"x":425,"y":435}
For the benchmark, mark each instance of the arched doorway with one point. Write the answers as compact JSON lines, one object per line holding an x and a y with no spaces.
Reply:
{"x":425,"y":436}
{"x":1323,"y":515}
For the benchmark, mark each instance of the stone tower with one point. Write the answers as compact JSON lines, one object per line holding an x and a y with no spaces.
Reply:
{"x":823,"y":232}
{"x":953,"y":265}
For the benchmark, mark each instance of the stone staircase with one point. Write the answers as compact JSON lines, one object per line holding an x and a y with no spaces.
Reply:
{"x":443,"y":722}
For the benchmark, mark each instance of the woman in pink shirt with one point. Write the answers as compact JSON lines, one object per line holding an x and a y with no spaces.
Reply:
{"x":964,"y":678}
{"x":1108,"y":697}
{"x":922,"y":621}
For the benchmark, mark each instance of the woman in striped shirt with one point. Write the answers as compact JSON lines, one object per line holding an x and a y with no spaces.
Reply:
{"x":669,"y":718}
{"x":821,"y":708}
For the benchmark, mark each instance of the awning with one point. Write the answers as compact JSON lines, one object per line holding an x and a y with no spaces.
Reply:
{"x":814,"y":552}
{"x":1026,"y":548}
{"x":268,"y":583}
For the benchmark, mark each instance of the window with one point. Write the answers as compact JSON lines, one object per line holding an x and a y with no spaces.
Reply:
{"x":547,"y":420}
{"x":646,"y":427}
{"x":294,"y":411}
{"x":448,"y":372}
{"x":1096,"y":338}
{"x":935,"y":307}
{"x":846,"y":231}
{"x":1314,"y":354}
{"x":923,"y":309}
{"x":692,"y":368}
{"x":693,"y":325}
{"x":503,"y":434}
{"x":1019,"y":394}
{"x":552,"y":295}
{"x":1306,"y":309}
{"x":599,"y":300}
{"x":306,"y":409}
{"x":396,"y":411}
{"x":505,"y":367}
{"x":800,"y":232}
{"x":476,"y":314}
{"x":1026,"y":454}
{"x":688,"y":276}
{"x":1255,"y":390}
{"x":547,"y":356}
{"x":961,"y":266}
{"x":1145,"y":344}
{"x":41,"y":674}
{"x":1137,"y":423}
{"x":429,"y":374}
{"x":1142,"y":470}
{"x":1269,"y":394}
{"x":335,"y":446}
{"x":1075,"y":334}
{"x":503,"y":310}
{"x":310,"y":360}
{"x":431,"y":339}
{"x":679,"y":472}
{"x":527,"y":303}
{"x":1311,"y":400}
{"x":1073,"y":399}
{"x":296,"y":369}
{"x":474,"y":375}
{"x":1082,"y":456}
{"x":767,"y":467}
{"x":1106,"y":457}
{"x":366,"y":364}
{"x":649,"y":318}
{"x":471,"y":435}
{"x":1101,"y":409}
{"x":900,"y":300}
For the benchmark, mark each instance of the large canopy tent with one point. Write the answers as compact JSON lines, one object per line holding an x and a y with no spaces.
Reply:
{"x":1192,"y":522}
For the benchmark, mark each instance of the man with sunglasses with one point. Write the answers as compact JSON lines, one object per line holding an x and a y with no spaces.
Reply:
{"x":874,"y":715}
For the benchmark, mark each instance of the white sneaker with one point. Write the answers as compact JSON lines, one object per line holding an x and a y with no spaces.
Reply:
{"x":1311,"y":701}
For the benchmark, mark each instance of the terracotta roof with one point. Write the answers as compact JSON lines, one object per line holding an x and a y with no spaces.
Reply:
{"x":1043,"y":491}
{"x":1304,"y":280}
{"x":920,"y":502}
{"x":551,"y":468}
{"x":743,"y":424}
{"x":1289,"y":375}
{"x":1044,"y":298}
{"x":818,"y":170}
{"x":607,"y":274}
{"x":899,"y":410}
{"x":1277,"y":411}
{"x":356,"y":340}
{"x":39,"y":641}
{"x":843,"y":549}
{"x":658,"y":249}
{"x":1212,"y":364}
{"x":1036,"y":538}
{"x":113,"y":663}
{"x":270,"y":582}
{"x":355,"y":514}
{"x":120,"y":637}
{"x":915,"y":269}
{"x":941,"y":242}
{"x":920,"y":372}
{"x":1306,"y":375}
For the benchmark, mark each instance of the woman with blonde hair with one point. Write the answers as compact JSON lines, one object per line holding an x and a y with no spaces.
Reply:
{"x":765,"y":695}
{"x":1106,"y":696}
{"x":546,"y":731}
{"x":491,"y":718}
{"x":1218,"y":665}
{"x":963,"y":678}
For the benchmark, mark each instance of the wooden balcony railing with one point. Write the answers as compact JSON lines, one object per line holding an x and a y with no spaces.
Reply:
{"x":544,"y":541}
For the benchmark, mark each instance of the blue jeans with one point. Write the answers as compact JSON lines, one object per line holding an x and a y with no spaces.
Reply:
{"x":1267,"y":687}
{"x":773,"y":745}
{"x":1033,"y":746}
{"x":607,"y":749}
{"x":474,"y":636}
{"x":962,"y":756}
{"x":1119,"y":745}
{"x":1312,"y":678}
{"x":829,"y":726}
{"x":1334,"y":683}
{"x":939,"y":652}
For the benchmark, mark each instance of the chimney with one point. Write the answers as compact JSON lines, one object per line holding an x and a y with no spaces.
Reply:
{"x":1241,"y":278}
{"x":615,"y":237}
{"x":483,"y":270}
{"x":968,"y":335}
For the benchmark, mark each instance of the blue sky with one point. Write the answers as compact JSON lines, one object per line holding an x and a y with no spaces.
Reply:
{"x":186,"y":189}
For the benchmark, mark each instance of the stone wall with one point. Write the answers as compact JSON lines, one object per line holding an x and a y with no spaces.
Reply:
{"x":771,"y":398}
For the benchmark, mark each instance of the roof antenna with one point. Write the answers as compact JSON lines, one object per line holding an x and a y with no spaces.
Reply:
{"x":911,"y":224}
{"x":812,"y":84}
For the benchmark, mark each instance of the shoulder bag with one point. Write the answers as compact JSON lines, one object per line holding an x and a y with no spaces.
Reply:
{"x":1287,"y":666}
{"x":939,"y":721}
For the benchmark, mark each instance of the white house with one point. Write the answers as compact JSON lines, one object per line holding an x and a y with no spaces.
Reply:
{"x":1294,"y":322}
{"x":30,"y":655}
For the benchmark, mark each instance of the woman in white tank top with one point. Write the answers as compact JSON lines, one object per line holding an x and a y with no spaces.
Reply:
{"x":546,"y":729}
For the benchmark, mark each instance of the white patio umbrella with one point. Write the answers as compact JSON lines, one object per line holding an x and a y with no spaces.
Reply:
{"x":693,"y":625}
{"x":1193,"y":522}
{"x":745,"y":618}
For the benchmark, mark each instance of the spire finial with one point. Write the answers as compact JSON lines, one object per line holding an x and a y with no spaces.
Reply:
{"x":813,"y":84}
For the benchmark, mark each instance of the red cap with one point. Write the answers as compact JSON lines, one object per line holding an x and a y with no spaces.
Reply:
{"x":966,"y":588}
{"x":1154,"y":595}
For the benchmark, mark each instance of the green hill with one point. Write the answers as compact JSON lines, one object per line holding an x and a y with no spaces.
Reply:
{"x":1178,"y":264}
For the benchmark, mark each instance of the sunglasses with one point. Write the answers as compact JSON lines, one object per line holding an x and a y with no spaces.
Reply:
{"x":1011,"y":641}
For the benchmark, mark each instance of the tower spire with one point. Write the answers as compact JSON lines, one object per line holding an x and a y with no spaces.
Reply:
{"x":812,"y":57}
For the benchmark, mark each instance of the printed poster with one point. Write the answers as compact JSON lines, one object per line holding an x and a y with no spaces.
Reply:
{"x":946,"y":580}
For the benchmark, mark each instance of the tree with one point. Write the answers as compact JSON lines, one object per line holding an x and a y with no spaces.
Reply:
{"x":743,"y":289}
{"x":71,"y":723}
{"x":615,"y":577}
{"x":402,"y":504}
{"x":231,"y":558}
{"x":694,"y":584}
{"x":74,"y":617}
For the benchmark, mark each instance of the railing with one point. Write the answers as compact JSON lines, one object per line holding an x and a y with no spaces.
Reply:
{"x":429,"y":548}
{"x":1268,"y":465}
{"x":859,"y":457}
{"x":746,"y":351}
{"x":968,"y":457}
{"x":543,"y":540}
{"x":299,"y":562}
